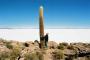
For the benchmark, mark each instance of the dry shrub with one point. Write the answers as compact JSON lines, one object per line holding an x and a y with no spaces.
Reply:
{"x":64,"y":43}
{"x":34,"y":56}
{"x":4,"y":55}
{"x":71,"y":47}
{"x":31,"y":56}
{"x":58,"y":55}
{"x":15,"y":51}
{"x":8,"y":45}
{"x":60,"y":46}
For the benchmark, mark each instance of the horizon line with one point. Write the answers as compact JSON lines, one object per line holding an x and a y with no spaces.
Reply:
{"x":45,"y":28}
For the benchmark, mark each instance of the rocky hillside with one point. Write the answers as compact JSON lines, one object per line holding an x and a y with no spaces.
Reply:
{"x":14,"y":50}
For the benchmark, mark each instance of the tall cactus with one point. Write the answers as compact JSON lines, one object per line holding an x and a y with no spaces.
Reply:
{"x":41,"y":28}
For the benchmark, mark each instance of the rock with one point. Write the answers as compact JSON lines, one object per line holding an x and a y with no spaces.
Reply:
{"x":52,"y":44}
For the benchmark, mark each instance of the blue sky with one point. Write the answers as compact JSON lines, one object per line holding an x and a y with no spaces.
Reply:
{"x":57,"y":13}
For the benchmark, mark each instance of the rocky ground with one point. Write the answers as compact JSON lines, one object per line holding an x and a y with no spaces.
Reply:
{"x":14,"y":50}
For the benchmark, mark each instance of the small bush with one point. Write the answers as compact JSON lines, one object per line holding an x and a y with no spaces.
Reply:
{"x":64,"y":43}
{"x":8,"y":45}
{"x":58,"y":55}
{"x":61,"y":46}
{"x":4,"y":55}
{"x":15,"y":52}
{"x":34,"y":56}
{"x":31,"y":56}
{"x":70,"y":47}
